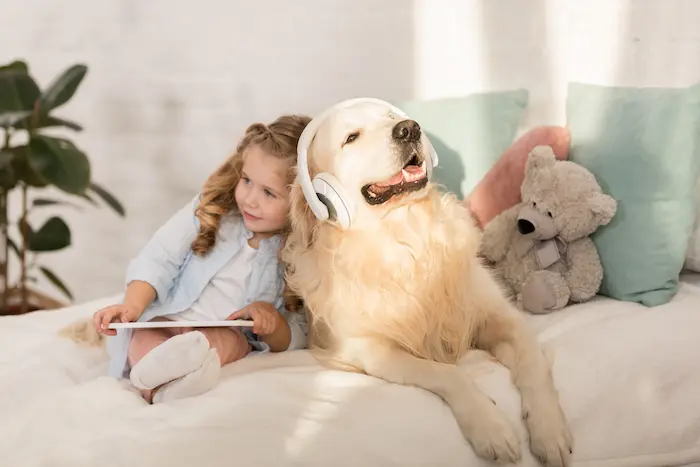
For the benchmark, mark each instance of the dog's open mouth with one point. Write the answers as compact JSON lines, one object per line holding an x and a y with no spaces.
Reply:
{"x":412,"y":177}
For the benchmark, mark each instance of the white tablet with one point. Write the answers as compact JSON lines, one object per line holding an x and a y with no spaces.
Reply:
{"x":181,"y":324}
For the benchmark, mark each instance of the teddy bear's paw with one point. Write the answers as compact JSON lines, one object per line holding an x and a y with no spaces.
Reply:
{"x":545,"y":291}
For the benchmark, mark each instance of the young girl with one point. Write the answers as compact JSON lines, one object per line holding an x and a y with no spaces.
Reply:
{"x":217,"y":258}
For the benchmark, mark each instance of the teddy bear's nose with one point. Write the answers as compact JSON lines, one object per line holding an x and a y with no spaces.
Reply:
{"x":525,"y":226}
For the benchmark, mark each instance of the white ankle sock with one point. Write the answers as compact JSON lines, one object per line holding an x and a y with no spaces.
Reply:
{"x":174,"y":358}
{"x":193,"y":384}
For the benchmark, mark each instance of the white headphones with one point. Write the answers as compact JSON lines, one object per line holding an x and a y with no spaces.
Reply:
{"x":325,"y":193}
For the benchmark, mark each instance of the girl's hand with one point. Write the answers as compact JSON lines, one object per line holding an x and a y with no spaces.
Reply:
{"x":265,"y":317}
{"x":124,"y":313}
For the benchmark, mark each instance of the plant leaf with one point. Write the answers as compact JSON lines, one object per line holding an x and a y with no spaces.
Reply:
{"x":49,"y":274}
{"x":7,"y":173}
{"x":52,"y":236}
{"x":46,"y":121}
{"x":45,"y":202}
{"x":6,"y":158}
{"x":17,"y":65}
{"x":108,"y":198}
{"x":60,"y":163}
{"x":23,"y":171}
{"x":62,"y":88}
{"x":39,"y":202}
{"x":18,"y":91}
{"x":50,"y":121}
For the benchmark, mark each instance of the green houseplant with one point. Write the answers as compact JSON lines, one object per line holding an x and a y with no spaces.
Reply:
{"x":34,"y":159}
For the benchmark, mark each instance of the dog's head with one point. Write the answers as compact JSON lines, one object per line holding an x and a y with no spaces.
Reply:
{"x":380,"y":158}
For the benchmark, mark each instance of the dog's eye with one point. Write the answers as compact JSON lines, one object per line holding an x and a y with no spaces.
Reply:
{"x":534,"y":205}
{"x":549,"y":214}
{"x":352,"y":137}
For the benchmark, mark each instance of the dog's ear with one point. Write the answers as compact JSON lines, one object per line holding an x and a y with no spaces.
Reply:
{"x":300,"y":237}
{"x":302,"y":224}
{"x":302,"y":219}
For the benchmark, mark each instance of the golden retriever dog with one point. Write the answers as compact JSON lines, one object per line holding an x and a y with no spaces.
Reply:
{"x":399,"y":293}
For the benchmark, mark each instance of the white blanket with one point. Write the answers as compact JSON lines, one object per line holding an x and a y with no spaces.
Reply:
{"x":629,"y":379}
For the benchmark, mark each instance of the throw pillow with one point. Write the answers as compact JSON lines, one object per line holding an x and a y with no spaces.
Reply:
{"x":642,"y":146}
{"x":469,"y":133}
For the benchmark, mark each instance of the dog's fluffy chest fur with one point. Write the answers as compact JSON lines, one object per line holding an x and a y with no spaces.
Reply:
{"x":394,"y":279}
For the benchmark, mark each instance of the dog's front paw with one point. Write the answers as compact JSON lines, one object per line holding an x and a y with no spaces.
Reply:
{"x":550,"y":437}
{"x":489,"y":432}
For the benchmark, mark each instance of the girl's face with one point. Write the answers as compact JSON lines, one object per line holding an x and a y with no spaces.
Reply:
{"x":262,"y":195}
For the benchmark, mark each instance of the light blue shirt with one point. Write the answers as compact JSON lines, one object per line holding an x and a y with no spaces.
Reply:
{"x":178,"y":276}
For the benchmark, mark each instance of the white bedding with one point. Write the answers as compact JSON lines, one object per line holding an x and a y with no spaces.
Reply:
{"x":629,"y":379}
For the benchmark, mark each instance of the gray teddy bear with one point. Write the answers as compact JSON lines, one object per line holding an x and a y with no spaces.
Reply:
{"x":540,"y":248}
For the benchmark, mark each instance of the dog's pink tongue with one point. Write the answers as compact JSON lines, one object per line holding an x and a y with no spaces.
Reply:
{"x":414,"y":169}
{"x":396,"y":179}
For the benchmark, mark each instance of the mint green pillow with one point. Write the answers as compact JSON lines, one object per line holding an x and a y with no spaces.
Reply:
{"x":469,"y":133}
{"x":642,"y":144}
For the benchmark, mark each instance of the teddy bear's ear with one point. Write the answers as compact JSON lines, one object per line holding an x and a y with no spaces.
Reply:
{"x":540,"y":156}
{"x":603,"y":207}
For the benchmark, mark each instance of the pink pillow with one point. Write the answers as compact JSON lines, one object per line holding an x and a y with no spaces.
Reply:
{"x":500,"y":188}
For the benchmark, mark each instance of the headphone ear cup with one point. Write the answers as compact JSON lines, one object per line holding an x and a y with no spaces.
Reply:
{"x":330,"y":192}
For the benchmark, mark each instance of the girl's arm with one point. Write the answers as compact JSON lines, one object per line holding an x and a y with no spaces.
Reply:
{"x":160,"y":259}
{"x":139,"y":296}
{"x":290,"y":331}
{"x":292,"y":328}
{"x":278,"y":340}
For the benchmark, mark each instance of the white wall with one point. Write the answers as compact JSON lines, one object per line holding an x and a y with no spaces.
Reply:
{"x":468,"y":45}
{"x":172,"y":85}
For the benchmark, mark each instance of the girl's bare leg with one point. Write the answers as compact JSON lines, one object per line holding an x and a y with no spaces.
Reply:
{"x":230,"y":344}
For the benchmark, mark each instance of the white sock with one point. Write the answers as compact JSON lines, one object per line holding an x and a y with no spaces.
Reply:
{"x":174,"y":358}
{"x":193,"y":384}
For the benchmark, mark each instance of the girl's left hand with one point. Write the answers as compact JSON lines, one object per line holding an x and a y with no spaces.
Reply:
{"x":264,"y":315}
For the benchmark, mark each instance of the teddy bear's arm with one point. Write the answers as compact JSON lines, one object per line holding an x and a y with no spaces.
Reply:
{"x":498,"y":234}
{"x":585,"y":272}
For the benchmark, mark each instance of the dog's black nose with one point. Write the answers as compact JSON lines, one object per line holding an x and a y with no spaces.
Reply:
{"x":407,"y":130}
{"x":525,"y":226}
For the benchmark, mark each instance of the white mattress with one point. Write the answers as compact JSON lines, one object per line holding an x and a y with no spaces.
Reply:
{"x":629,"y":379}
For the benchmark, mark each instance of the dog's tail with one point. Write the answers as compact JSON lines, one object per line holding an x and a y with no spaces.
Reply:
{"x":83,"y":332}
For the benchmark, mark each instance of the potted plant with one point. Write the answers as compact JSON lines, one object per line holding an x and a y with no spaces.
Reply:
{"x":32,"y":159}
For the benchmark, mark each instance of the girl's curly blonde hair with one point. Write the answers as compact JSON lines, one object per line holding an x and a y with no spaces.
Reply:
{"x":278,"y":138}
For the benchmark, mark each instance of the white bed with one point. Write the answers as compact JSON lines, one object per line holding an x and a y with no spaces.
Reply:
{"x":629,"y":378}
